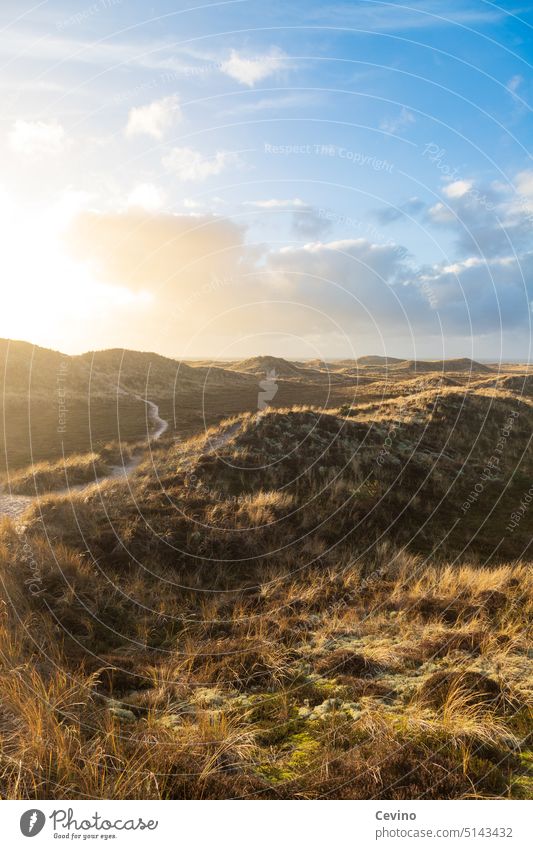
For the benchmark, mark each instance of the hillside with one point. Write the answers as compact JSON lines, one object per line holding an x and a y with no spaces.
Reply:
{"x":377,"y":361}
{"x":54,"y":403}
{"x":462,"y":364}
{"x":161,"y":376}
{"x":522,"y":384}
{"x":285,"y":606}
{"x":30,"y":370}
{"x":380,"y":364}
{"x":321,"y":365}
{"x":264,"y":365}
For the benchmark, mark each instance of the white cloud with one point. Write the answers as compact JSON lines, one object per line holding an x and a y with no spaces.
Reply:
{"x":250,"y":71}
{"x":210,"y":203}
{"x":478,"y":295}
{"x":307,"y":222}
{"x":155,"y":118}
{"x":514,"y":84}
{"x":191,"y":203}
{"x":354,"y":281}
{"x":265,"y":104}
{"x":188,"y":164}
{"x":400,"y":122}
{"x":362,"y":287}
{"x":488,"y":220}
{"x":440,"y":214}
{"x":37,"y":138}
{"x":458,"y":188}
{"x":524,"y":183}
{"x":168,"y":255}
{"x":366,"y":283}
{"x":146,"y":196}
{"x":277,"y":203}
{"x":395,"y":17}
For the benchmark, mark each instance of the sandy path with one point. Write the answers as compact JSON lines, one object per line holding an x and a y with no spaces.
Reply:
{"x":223,"y":438}
{"x":15,"y":505}
{"x":211,"y":446}
{"x":161,"y":425}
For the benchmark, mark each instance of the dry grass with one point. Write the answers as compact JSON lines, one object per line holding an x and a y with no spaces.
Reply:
{"x":47,"y":477}
{"x":266,"y":611}
{"x":306,"y":687}
{"x":74,"y":470}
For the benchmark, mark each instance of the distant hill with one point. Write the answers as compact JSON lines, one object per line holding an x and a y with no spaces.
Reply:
{"x":317,"y":364}
{"x":461,"y":364}
{"x":28,"y":369}
{"x":264,"y":364}
{"x":423,"y":384}
{"x":53,"y":402}
{"x":144,"y":372}
{"x":522,"y":384}
{"x":99,"y":390}
{"x":377,"y":361}
{"x":314,"y":371}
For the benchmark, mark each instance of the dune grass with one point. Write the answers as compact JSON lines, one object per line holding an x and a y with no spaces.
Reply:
{"x":258,"y":613}
{"x":46,"y":477}
{"x":73,"y":470}
{"x":311,"y":686}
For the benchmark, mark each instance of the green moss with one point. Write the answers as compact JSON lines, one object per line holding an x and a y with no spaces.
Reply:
{"x":296,"y":755}
{"x":520,"y":721}
{"x":317,"y":689}
{"x":265,"y":708}
{"x":304,"y":749}
{"x":327,"y":686}
{"x":275,"y":774}
{"x":279,"y":733}
{"x":522,"y":781}
{"x":488,"y":776}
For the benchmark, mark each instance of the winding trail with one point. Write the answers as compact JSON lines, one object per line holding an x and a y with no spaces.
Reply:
{"x":15,"y":505}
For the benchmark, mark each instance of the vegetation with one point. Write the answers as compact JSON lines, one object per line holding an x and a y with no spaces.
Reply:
{"x":316,"y":684}
{"x":73,"y":471}
{"x":296,"y":604}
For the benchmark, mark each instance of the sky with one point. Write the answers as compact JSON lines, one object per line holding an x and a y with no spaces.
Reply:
{"x":303,"y":179}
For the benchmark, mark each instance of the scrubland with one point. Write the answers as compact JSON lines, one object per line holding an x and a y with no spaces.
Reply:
{"x":297,"y":604}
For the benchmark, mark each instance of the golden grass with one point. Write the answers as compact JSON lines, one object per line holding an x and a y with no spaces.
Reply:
{"x":241,"y":619}
{"x":214,"y":705}
{"x":47,"y":477}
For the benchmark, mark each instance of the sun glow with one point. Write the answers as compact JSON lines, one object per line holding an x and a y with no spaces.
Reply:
{"x":47,"y":296}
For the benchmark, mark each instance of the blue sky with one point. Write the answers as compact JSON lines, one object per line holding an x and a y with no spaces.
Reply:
{"x":239,"y":177}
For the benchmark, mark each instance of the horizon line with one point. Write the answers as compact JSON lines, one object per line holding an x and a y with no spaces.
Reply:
{"x":289,"y":358}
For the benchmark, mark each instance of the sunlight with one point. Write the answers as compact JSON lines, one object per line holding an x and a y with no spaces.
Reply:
{"x":47,"y":296}
{"x":266,"y":408}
